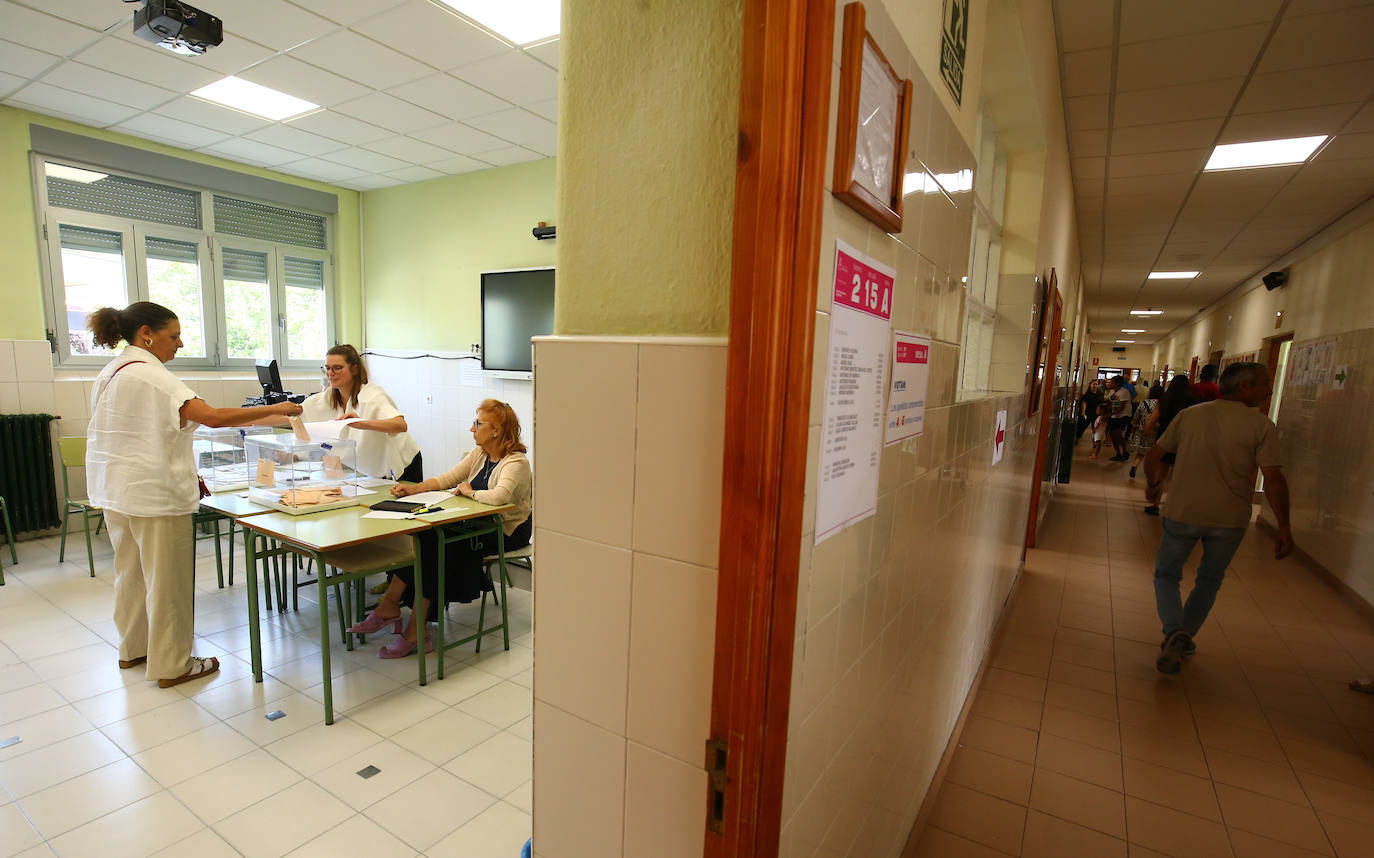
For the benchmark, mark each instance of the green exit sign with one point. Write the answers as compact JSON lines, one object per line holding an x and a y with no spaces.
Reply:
{"x":954,"y":47}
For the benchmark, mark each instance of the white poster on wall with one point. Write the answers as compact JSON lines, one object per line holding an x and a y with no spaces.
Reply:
{"x":855,"y":383}
{"x":906,"y":400}
{"x":999,"y":437}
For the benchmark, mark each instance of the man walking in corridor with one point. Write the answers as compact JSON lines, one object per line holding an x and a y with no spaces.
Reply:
{"x":1218,"y":445}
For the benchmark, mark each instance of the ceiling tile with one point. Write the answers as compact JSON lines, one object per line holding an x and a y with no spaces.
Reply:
{"x":345,"y":129}
{"x":295,"y":140}
{"x":10,"y":82}
{"x":1086,"y":112}
{"x":389,"y":112}
{"x":1316,"y":40}
{"x":273,"y":23}
{"x":147,"y":63}
{"x":325,"y":171}
{"x":514,"y":76}
{"x":1142,"y":20}
{"x":1165,"y":137}
{"x":184,"y":134}
{"x":1083,"y":24}
{"x":461,"y":138}
{"x":371,"y":183}
{"x":1189,"y":59}
{"x":111,"y":87}
{"x":1158,"y":163}
{"x":431,"y":35}
{"x":549,"y":109}
{"x":455,"y":164}
{"x":1362,"y":121}
{"x":36,"y":28}
{"x":72,"y":105}
{"x":513,"y":155}
{"x":1088,"y":143}
{"x":1088,"y":72}
{"x":303,"y":80}
{"x":24,"y":61}
{"x":1334,"y":84}
{"x":519,"y":126}
{"x":1278,"y":124}
{"x":1089,"y":168}
{"x":96,"y":15}
{"x":1168,"y":185}
{"x":415,"y":174}
{"x":209,"y":115}
{"x":359,"y":58}
{"x":449,"y":96}
{"x":546,"y":53}
{"x":1176,"y":103}
{"x":1350,"y":168}
{"x":347,"y":12}
{"x":241,"y":149}
{"x":1348,"y":146}
{"x":371,"y":162}
{"x":408,"y":149}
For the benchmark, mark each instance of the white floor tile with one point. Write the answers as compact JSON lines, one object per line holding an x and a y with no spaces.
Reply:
{"x":524,"y":728}
{"x":238,"y":784}
{"x":225,"y":700}
{"x":15,"y":676}
{"x":131,"y":832}
{"x":279,"y":824}
{"x":395,"y":711}
{"x":354,"y":688}
{"x":75,"y":802}
{"x":356,"y":836}
{"x":444,"y":736}
{"x":125,"y":702}
{"x":502,"y":704}
{"x":97,"y":680}
{"x":40,"y":769}
{"x":498,"y":765}
{"x":163,"y":724}
{"x":203,"y":844}
{"x":30,"y":700}
{"x":38,"y":731}
{"x":301,"y":712}
{"x":504,"y":663}
{"x":429,"y":809}
{"x":500,"y":830}
{"x":183,"y":758}
{"x":458,"y":685}
{"x":522,"y":797}
{"x":16,"y":834}
{"x":306,"y":673}
{"x":321,"y":745}
{"x":397,"y":768}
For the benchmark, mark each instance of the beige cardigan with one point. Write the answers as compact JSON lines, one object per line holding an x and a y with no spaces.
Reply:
{"x":510,"y":484}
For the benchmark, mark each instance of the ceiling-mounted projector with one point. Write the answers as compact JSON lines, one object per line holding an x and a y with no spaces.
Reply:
{"x":179,"y":28}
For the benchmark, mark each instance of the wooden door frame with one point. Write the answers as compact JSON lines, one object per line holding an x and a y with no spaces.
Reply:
{"x":779,"y":186}
{"x":1047,"y":397}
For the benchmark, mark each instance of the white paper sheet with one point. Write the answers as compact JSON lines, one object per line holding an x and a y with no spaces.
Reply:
{"x":470,"y":373}
{"x":370,"y":482}
{"x":326,"y":429}
{"x":382,"y":513}
{"x":426,"y":497}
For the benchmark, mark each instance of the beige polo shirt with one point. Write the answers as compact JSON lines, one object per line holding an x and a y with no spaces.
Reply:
{"x":1219,"y":445}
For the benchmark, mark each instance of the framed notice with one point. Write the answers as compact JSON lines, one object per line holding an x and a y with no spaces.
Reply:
{"x":872,"y":127}
{"x":906,"y":397}
{"x":855,"y":384}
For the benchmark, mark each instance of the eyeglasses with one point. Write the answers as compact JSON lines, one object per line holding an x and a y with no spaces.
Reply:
{"x":330,"y":370}
{"x":477,"y":423}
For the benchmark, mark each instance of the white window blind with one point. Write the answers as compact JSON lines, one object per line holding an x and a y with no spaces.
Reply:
{"x":268,"y":223}
{"x":124,"y":197}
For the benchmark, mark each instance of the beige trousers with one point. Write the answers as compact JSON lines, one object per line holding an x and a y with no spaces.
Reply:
{"x":154,"y":586}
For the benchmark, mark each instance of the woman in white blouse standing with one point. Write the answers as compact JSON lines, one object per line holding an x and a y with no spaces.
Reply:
{"x":385,"y":448}
{"x":141,"y":470}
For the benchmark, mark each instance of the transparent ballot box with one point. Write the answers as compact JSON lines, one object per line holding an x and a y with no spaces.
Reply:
{"x":220,"y":458}
{"x":298,"y":477}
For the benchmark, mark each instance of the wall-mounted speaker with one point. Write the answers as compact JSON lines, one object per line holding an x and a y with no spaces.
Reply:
{"x":1274,"y":279}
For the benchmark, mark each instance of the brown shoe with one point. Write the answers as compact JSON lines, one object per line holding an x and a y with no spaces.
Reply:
{"x":133,"y":662}
{"x":200,"y":667}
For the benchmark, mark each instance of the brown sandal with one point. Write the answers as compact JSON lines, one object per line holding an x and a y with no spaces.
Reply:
{"x":200,"y":667}
{"x":133,"y":662}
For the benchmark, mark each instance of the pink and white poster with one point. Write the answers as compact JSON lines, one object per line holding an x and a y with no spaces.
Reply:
{"x":906,"y":399}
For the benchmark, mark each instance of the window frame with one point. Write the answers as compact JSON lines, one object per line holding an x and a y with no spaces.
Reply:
{"x":209,"y":250}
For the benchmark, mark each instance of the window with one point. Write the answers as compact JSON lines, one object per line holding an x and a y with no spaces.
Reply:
{"x":247,"y":280}
{"x":985,"y":259}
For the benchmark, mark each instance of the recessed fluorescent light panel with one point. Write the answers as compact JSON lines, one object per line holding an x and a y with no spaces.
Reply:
{"x":1173,"y":275}
{"x":522,"y":22}
{"x":1263,"y":153}
{"x":73,"y":174}
{"x":1147,"y":312}
{"x":1132,"y":330}
{"x":1125,"y":341}
{"x":251,"y":98}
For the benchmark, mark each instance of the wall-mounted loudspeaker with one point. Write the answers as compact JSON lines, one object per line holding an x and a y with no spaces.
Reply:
{"x":1274,"y":279}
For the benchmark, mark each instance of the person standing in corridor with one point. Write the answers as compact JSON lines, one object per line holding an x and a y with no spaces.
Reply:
{"x":1219,"y":445}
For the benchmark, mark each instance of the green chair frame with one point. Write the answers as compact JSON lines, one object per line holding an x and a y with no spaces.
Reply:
{"x":9,"y":537}
{"x":73,"y":456}
{"x":448,"y":534}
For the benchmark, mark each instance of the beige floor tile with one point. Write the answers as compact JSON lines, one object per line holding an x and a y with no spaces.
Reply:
{"x":979,"y":817}
{"x":497,"y":766}
{"x":1274,"y":818}
{"x":1001,"y":738}
{"x":1350,"y":837}
{"x":1078,"y":760}
{"x":1080,"y":699}
{"x":1260,"y":744}
{"x":1339,"y":798}
{"x":1051,"y":837}
{"x":1171,"y":788}
{"x":141,"y":828}
{"x":430,"y":809}
{"x":1248,"y":845}
{"x":279,"y":824}
{"x":1173,"y":832}
{"x":935,"y":843}
{"x":986,"y":772}
{"x":499,"y":830}
{"x":1098,"y":732}
{"x":1011,"y":710}
{"x":1275,"y":781}
{"x":1014,"y":684}
{"x":1338,"y":765}
{"x":235,"y":785}
{"x":1078,"y":801}
{"x":75,"y":802}
{"x":1031,"y":664}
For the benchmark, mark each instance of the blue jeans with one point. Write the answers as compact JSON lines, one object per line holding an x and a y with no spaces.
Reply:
{"x":1219,"y":545}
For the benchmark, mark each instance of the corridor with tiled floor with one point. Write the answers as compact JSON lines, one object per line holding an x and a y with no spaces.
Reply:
{"x":1075,"y":746}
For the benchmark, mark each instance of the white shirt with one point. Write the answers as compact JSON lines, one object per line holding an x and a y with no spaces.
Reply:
{"x":379,"y":454}
{"x":139,"y":459}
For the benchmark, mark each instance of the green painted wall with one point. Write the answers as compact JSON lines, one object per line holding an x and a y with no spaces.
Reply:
{"x":425,"y":246}
{"x":647,"y":121}
{"x":21,"y":290}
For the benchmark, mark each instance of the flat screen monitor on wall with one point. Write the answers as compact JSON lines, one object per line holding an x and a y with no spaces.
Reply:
{"x":516,"y":305}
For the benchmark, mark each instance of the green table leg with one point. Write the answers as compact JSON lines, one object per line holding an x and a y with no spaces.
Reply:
{"x":421,"y":627}
{"x":254,"y":633}
{"x":324,"y":646}
{"x":219,"y":556}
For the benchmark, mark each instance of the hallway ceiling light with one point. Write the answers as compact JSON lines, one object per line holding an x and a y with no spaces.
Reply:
{"x":1173,"y":275}
{"x":1263,"y":153}
{"x":253,"y":98}
{"x":1147,"y":312}
{"x":1125,"y":341}
{"x":522,"y":23}
{"x":1132,"y":330}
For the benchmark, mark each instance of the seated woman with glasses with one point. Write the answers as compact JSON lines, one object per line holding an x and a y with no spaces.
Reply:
{"x":496,"y":472}
{"x":385,"y":448}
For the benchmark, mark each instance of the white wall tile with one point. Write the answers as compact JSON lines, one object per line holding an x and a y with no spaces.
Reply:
{"x":36,"y":397}
{"x":679,"y":445}
{"x":71,"y":402}
{"x":663,"y":805}
{"x":582,"y":621}
{"x":9,"y":397}
{"x":7,"y":369}
{"x":672,"y":651}
{"x":579,"y":786}
{"x":33,"y":360}
{"x":585,"y":412}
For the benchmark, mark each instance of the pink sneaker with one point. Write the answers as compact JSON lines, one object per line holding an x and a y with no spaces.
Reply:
{"x":374,"y":623}
{"x":400,"y":647}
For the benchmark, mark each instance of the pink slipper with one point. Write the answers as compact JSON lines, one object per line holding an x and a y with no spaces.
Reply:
{"x":374,"y":623}
{"x":400,"y":647}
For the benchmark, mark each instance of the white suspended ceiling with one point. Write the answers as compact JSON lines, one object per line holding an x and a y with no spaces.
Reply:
{"x":410,"y":90}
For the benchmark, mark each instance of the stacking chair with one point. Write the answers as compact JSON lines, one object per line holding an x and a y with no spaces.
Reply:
{"x":74,"y":456}
{"x":9,"y":537}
